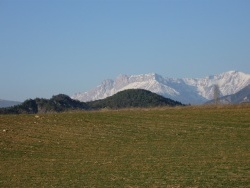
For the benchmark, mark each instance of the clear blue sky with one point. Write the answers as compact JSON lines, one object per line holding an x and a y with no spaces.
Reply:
{"x":56,"y":46}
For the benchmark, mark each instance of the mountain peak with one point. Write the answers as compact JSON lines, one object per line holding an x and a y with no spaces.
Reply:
{"x":186,"y":90}
{"x":233,"y":73}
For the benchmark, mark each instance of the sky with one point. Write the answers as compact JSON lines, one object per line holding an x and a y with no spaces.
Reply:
{"x":49,"y":47}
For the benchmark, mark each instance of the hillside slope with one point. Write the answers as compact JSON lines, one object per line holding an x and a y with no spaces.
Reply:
{"x":133,"y":98}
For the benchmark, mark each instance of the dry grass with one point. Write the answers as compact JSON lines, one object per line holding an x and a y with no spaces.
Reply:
{"x":167,"y":147}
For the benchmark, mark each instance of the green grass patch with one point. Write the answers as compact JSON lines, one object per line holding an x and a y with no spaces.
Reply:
{"x":164,"y":147}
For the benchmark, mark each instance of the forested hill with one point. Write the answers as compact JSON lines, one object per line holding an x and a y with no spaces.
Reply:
{"x":58,"y":103}
{"x":133,"y":98}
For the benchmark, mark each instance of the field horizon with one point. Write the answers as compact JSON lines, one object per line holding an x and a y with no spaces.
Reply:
{"x":191,"y":146}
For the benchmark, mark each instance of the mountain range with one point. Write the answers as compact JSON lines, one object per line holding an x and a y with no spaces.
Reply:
{"x":185,"y":90}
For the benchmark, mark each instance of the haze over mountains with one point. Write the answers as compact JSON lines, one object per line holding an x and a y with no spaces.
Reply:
{"x":7,"y":103}
{"x":185,"y":90}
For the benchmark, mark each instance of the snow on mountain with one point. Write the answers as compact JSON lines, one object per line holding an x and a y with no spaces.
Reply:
{"x":242,"y":96}
{"x":185,"y":90}
{"x":228,"y":82}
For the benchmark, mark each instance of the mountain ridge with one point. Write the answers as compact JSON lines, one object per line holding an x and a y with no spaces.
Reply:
{"x":8,"y":103}
{"x":185,"y":90}
{"x":242,"y":96}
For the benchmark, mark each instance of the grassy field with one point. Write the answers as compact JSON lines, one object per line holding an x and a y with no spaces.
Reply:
{"x":171,"y":147}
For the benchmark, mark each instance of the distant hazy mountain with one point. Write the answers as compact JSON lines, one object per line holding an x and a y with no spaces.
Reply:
{"x":241,"y":96}
{"x":185,"y":90}
{"x":6,"y":103}
{"x":133,"y":98}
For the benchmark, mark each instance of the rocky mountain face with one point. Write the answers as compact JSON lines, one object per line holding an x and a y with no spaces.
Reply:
{"x":185,"y":90}
{"x":242,"y":96}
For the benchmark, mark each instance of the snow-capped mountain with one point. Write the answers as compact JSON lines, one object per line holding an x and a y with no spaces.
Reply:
{"x":185,"y":90}
{"x":242,"y":96}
